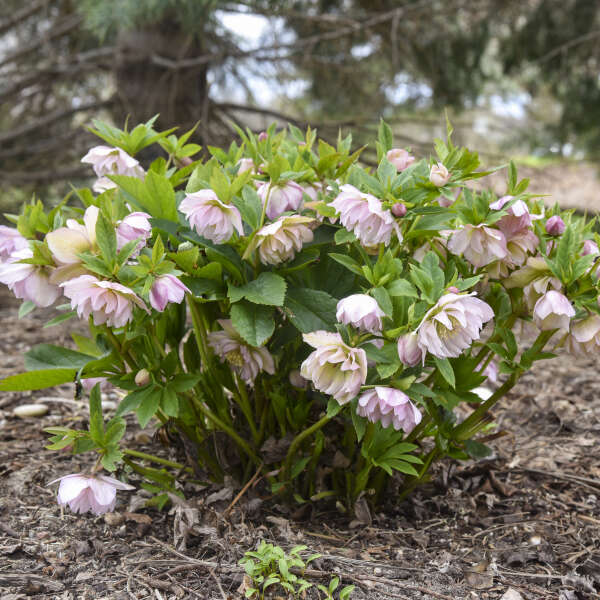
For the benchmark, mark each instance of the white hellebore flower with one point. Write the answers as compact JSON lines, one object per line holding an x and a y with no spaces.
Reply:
{"x":481,"y":245}
{"x":553,"y":311}
{"x":111,"y":161}
{"x":360,"y":311}
{"x":585,"y":336}
{"x":389,"y":406}
{"x":334,"y":367}
{"x":439,"y":175}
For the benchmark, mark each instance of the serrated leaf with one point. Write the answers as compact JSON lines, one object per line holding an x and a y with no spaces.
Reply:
{"x":37,"y":380}
{"x":267,"y":288}
{"x":310,"y":310}
{"x":445,"y":369}
{"x":254,"y":322}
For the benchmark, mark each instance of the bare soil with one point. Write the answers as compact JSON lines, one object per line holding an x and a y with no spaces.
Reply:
{"x":524,"y":523}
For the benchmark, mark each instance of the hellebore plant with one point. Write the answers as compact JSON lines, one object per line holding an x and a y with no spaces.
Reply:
{"x":282,"y":310}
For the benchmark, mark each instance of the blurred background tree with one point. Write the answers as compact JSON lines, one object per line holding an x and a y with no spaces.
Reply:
{"x":517,"y":75}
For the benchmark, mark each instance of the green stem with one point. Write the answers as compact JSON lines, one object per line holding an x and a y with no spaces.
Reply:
{"x":300,"y":438}
{"x":199,"y":331}
{"x":244,"y":404}
{"x":117,"y":345}
{"x":156,"y":459}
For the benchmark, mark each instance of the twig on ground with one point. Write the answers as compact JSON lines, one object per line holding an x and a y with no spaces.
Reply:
{"x":243,"y":490}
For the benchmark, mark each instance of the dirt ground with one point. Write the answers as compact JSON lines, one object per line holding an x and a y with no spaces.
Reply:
{"x":524,"y":523}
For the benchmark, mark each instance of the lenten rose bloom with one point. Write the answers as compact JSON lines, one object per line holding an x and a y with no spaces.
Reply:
{"x":65,"y":243}
{"x":451,"y":326}
{"x":535,"y":278}
{"x":111,"y":161}
{"x":334,"y":367}
{"x":553,"y":311}
{"x":409,"y":352}
{"x":247,"y":361}
{"x":400,"y":158}
{"x":245,"y":164}
{"x":365,"y":216}
{"x":360,"y":311}
{"x":94,"y":493}
{"x":165,"y":289}
{"x":481,"y":245}
{"x":518,"y":217}
{"x":555,"y":226}
{"x":389,"y":406}
{"x":584,"y":338}
{"x":439,"y":175}
{"x":590,"y":247}
{"x":281,"y":198}
{"x":28,"y":282}
{"x":108,"y":302}
{"x":10,"y":241}
{"x":135,"y":226}
{"x":211,"y":218}
{"x":279,"y":241}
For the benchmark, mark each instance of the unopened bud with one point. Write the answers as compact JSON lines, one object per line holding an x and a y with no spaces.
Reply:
{"x":398,"y":209}
{"x":555,"y":225}
{"x":262,"y":136}
{"x":297,"y":380}
{"x":409,"y":352}
{"x":142,"y":377}
{"x":590,"y":247}
{"x":453,"y":290}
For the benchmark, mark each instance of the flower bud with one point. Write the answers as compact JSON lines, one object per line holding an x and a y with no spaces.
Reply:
{"x":555,"y":225}
{"x":398,"y":209}
{"x":439,"y":175}
{"x":262,"y":136}
{"x":590,"y":247}
{"x":453,"y":290}
{"x":142,"y":377}
{"x":297,"y":380}
{"x":400,"y":158}
{"x":408,"y":350}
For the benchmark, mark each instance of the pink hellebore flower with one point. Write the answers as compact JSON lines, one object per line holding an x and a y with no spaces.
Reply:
{"x":480,"y":245}
{"x":279,"y":241}
{"x":96,"y":493}
{"x":88,"y":383}
{"x":10,"y":240}
{"x":553,"y":311}
{"x":452,"y":325}
{"x":360,"y":311}
{"x":165,"y":289}
{"x":111,"y":161}
{"x":585,"y":336}
{"x":439,"y":175}
{"x":400,"y":158}
{"x":281,"y":198}
{"x":28,"y":282}
{"x":408,"y":349}
{"x":365,"y":216}
{"x":247,"y":361}
{"x":518,"y":217}
{"x":555,"y":226}
{"x":389,"y":406}
{"x":135,"y":226}
{"x":67,"y":242}
{"x":108,"y":302}
{"x":211,"y":218}
{"x":334,"y":367}
{"x":590,"y":247}
{"x":245,"y":164}
{"x":491,"y":371}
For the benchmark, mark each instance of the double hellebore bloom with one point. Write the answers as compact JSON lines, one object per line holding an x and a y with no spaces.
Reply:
{"x":389,"y":406}
{"x":553,"y":311}
{"x":365,"y":216}
{"x":590,"y":247}
{"x":165,"y":289}
{"x":279,"y":241}
{"x":111,"y":161}
{"x":334,"y":367}
{"x":409,"y":352}
{"x":453,"y":324}
{"x":211,"y":218}
{"x":10,"y":240}
{"x":555,"y":226}
{"x":585,"y":336}
{"x":400,"y":158}
{"x":518,"y":217}
{"x":67,"y":242}
{"x":135,"y":226}
{"x":108,"y":302}
{"x":534,"y":278}
{"x":96,"y":493}
{"x":439,"y":175}
{"x":281,"y":198}
{"x":28,"y":282}
{"x":481,"y":245}
{"x":247,"y":361}
{"x":360,"y":311}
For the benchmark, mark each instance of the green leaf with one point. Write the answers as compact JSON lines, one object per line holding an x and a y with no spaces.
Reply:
{"x":383,"y":299}
{"x":25,"y":308}
{"x":299,"y":466}
{"x":135,"y":398}
{"x":115,"y":430}
{"x":148,"y":406}
{"x":106,"y":239}
{"x":60,"y":319}
{"x":170,"y":402}
{"x":310,"y":310}
{"x":96,"y":420}
{"x":333,"y":407}
{"x":160,"y":190}
{"x":402,"y":287}
{"x":385,"y":136}
{"x":445,"y":368}
{"x":250,"y":206}
{"x":267,"y":288}
{"x":348,"y":262}
{"x":477,"y":449}
{"x":255,"y":323}
{"x":46,"y":356}
{"x":343,"y":236}
{"x":37,"y":380}
{"x":111,"y":457}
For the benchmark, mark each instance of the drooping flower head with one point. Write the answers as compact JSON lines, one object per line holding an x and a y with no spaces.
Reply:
{"x":481,"y":245}
{"x":135,"y":226}
{"x":10,"y":241}
{"x":245,"y":164}
{"x":165,"y":289}
{"x":334,"y":367}
{"x":247,"y":361}
{"x":451,"y":326}
{"x":360,"y":311}
{"x":282,"y":198}
{"x":279,"y":241}
{"x":211,"y":218}
{"x":535,"y":278}
{"x":94,"y":493}
{"x":111,"y":161}
{"x":590,"y":247}
{"x":553,"y":311}
{"x":400,"y":158}
{"x":518,"y":217}
{"x":108,"y":302}
{"x":365,"y":216}
{"x":389,"y":406}
{"x":28,"y":282}
{"x":409,"y":352}
{"x":584,"y":338}
{"x":439,"y":175}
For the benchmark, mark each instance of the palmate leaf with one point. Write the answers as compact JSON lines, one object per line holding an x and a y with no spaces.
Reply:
{"x":310,"y":310}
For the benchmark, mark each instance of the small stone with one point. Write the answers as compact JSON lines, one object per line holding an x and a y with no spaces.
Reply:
{"x":113,"y":519}
{"x":109,"y":405}
{"x":511,"y":594}
{"x":30,"y":410}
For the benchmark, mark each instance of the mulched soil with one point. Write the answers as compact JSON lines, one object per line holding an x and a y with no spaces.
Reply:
{"x":524,"y":523}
